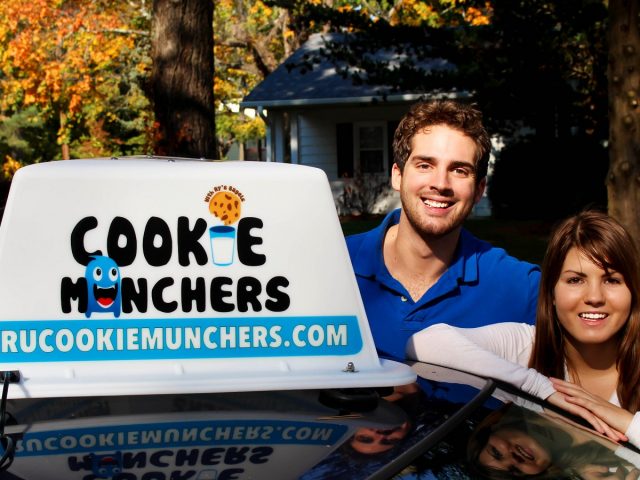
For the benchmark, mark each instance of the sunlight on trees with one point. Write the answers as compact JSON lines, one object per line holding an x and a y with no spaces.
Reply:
{"x":79,"y":64}
{"x":250,"y":40}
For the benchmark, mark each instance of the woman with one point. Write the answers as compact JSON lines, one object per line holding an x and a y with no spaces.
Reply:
{"x":587,"y":331}
{"x":515,"y":442}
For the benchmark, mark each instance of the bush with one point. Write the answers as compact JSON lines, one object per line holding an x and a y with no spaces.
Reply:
{"x":548,"y":179}
{"x":364,"y":194}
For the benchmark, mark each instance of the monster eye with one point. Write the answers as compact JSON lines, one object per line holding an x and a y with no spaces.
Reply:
{"x":97,"y":274}
{"x":113,"y":274}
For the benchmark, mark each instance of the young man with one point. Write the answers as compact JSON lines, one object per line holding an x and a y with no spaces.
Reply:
{"x":420,"y":267}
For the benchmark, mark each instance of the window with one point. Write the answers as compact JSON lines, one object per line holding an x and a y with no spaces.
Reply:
{"x":370,"y":144}
{"x":364,"y":147}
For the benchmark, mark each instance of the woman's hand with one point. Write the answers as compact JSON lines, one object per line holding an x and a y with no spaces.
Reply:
{"x":559,"y":400}
{"x":615,"y":417}
{"x":601,"y":472}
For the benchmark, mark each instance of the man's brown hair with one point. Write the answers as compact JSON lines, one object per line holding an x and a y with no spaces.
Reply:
{"x":462,"y":117}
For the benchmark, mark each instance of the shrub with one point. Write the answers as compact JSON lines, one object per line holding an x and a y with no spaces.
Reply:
{"x":365,"y":194}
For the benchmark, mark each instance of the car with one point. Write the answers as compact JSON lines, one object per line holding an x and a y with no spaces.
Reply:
{"x":165,"y":318}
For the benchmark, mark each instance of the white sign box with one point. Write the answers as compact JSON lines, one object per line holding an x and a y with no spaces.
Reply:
{"x":164,"y":275}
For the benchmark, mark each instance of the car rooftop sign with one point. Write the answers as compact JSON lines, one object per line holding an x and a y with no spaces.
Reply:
{"x":157,"y":275}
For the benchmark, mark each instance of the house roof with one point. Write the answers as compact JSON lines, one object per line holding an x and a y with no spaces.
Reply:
{"x":325,"y":84}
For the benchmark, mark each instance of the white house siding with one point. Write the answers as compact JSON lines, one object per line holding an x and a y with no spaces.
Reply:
{"x":317,"y":131}
{"x":315,"y":144}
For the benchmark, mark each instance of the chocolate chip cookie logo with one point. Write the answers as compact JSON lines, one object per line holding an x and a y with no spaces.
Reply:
{"x":225,"y":203}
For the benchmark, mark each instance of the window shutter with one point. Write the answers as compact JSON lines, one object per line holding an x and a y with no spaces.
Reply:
{"x":344,"y":147}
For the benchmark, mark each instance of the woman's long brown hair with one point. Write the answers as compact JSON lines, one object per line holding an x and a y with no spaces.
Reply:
{"x":607,"y":244}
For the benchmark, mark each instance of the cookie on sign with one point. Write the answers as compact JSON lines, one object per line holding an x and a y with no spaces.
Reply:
{"x":226,"y":206}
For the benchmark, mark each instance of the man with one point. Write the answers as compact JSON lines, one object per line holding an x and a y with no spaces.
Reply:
{"x":420,"y":267}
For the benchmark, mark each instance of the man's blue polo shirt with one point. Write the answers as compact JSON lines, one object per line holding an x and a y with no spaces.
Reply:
{"x":483,"y":285}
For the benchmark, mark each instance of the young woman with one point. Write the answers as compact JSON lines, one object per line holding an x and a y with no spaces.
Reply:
{"x":584,"y":352}
{"x":517,"y":442}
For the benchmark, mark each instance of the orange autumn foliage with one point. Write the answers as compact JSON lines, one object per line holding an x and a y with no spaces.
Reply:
{"x":55,"y":54}
{"x":441,"y":13}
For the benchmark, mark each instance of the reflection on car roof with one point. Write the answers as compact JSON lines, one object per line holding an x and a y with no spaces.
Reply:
{"x":438,"y":427}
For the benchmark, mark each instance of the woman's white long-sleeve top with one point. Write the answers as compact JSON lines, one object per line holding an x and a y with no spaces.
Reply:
{"x":500,"y":351}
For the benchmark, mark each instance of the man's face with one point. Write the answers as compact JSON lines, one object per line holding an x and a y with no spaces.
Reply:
{"x":438,"y":185}
{"x":371,"y":441}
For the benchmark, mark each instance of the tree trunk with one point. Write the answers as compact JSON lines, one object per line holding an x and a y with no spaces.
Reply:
{"x":623,"y":181}
{"x":182,"y":78}
{"x":64,"y":147}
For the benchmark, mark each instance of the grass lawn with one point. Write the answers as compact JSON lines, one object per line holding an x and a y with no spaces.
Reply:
{"x":524,"y":239}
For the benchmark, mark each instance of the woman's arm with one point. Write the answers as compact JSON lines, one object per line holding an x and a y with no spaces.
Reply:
{"x":499,"y":351}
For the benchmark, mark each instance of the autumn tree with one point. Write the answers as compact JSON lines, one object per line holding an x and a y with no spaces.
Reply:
{"x":251,"y":39}
{"x":523,"y":62}
{"x":74,"y":66}
{"x":182,"y":77}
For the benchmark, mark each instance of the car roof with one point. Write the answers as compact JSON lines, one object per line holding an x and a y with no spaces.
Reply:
{"x":307,"y":434}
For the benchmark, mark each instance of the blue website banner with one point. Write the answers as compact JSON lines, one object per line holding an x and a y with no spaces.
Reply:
{"x":177,"y":435}
{"x":178,"y":338}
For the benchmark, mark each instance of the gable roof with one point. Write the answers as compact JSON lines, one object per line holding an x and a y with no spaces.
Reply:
{"x":324,"y":84}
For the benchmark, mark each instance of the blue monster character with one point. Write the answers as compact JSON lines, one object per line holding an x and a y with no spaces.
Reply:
{"x":106,"y":466}
{"x":103,"y":286}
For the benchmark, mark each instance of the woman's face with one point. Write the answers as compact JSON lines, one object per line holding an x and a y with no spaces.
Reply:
{"x":592,"y":304}
{"x":516,"y":452}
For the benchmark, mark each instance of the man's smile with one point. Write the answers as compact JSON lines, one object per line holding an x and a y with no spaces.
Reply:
{"x":436,"y":204}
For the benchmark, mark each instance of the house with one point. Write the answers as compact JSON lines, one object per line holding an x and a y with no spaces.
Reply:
{"x":317,"y":115}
